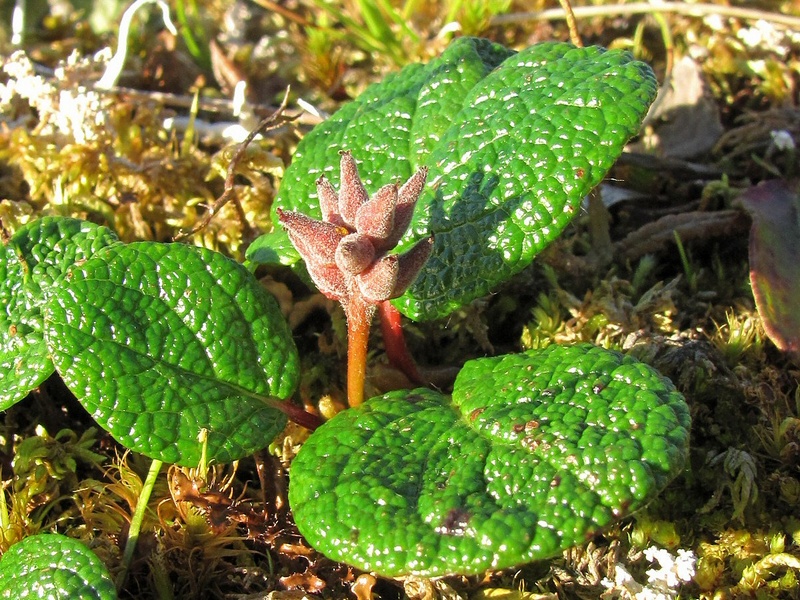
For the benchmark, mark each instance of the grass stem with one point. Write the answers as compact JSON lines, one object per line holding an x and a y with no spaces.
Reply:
{"x":136,"y":521}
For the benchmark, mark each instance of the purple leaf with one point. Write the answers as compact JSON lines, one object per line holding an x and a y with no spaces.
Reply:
{"x":352,"y":193}
{"x":775,"y":259}
{"x":378,"y":282}
{"x":411,"y":263}
{"x":406,"y":201}
{"x":329,"y":280}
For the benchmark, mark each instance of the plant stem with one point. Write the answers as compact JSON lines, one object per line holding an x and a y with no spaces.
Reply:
{"x":574,"y":36}
{"x":295,"y":413}
{"x":298,"y":415}
{"x":5,"y":520}
{"x":359,"y":316}
{"x":395,"y":342}
{"x":136,"y":521}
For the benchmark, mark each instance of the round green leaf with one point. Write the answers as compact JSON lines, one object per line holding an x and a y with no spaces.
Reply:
{"x":534,"y":453}
{"x":53,"y":566}
{"x":36,"y":258}
{"x":162,"y":341}
{"x":512,"y":141}
{"x":532,"y":139}
{"x":392,"y":126}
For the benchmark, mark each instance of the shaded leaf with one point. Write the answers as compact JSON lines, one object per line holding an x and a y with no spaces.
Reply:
{"x":273,"y":248}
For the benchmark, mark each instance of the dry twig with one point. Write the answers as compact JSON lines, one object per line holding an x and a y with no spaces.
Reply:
{"x":638,"y":8}
{"x":657,"y":235}
{"x":270,"y":122}
{"x":574,"y":36}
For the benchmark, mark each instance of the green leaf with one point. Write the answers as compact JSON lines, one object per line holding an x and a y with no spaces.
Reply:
{"x":162,"y":341}
{"x":54,"y":566}
{"x":775,"y":259}
{"x":535,"y":453}
{"x":513,"y":142}
{"x":273,"y":248}
{"x":35,"y":259}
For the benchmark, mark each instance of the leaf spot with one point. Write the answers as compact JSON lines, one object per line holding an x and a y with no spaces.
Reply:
{"x":455,"y":523}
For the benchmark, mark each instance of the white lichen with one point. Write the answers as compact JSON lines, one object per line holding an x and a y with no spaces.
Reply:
{"x":663,"y":583}
{"x":63,"y":103}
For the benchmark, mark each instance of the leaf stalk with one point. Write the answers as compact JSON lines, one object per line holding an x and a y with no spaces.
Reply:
{"x":394,"y":342}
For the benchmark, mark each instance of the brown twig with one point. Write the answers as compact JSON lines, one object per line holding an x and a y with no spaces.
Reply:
{"x":637,"y":8}
{"x":572,"y":25}
{"x":210,"y":105}
{"x":228,"y":195}
{"x":656,"y":236}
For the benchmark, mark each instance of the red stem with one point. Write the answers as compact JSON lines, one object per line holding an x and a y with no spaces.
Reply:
{"x":395,"y":342}
{"x":298,"y":415}
{"x":359,"y":317}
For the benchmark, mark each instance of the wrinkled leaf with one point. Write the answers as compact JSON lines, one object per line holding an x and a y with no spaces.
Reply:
{"x":534,"y":453}
{"x":54,"y":566}
{"x":35,"y":259}
{"x":775,"y":259}
{"x":161,"y":341}
{"x":512,"y":142}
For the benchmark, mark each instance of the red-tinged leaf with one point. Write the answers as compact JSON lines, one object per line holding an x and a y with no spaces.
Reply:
{"x":328,"y":201}
{"x":391,"y":276}
{"x":329,"y":280}
{"x":316,"y":241}
{"x":406,"y":201}
{"x":352,"y":193}
{"x":378,"y":282}
{"x":775,"y":259}
{"x":355,"y":253}
{"x":411,"y":263}
{"x":375,"y":218}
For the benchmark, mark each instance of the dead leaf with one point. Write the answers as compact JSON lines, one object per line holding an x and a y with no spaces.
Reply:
{"x":684,"y":120}
{"x":775,"y":259}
